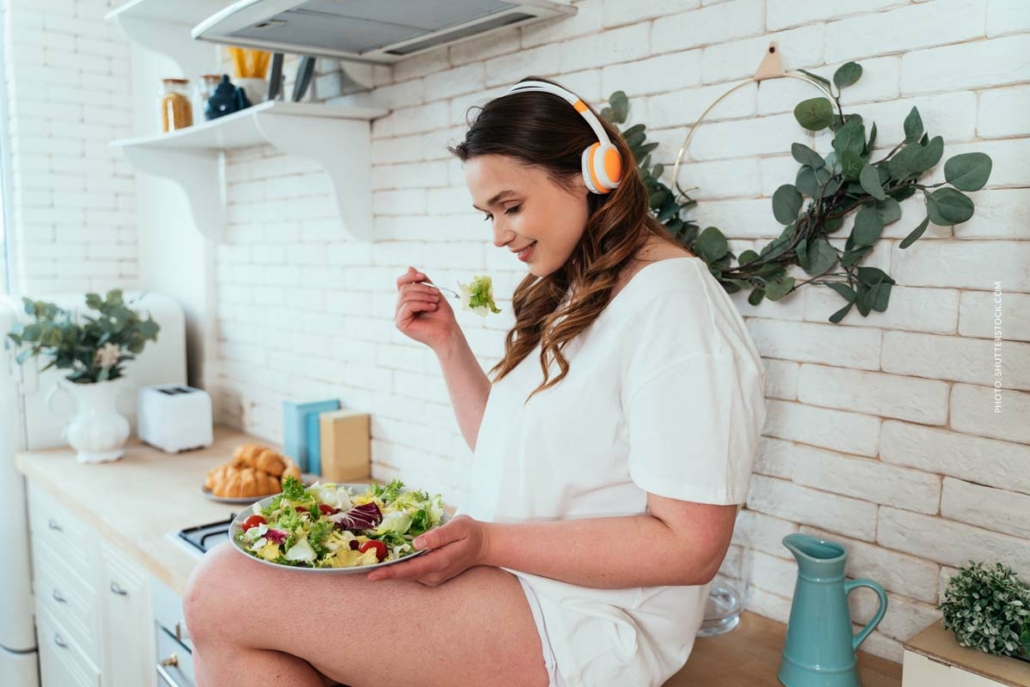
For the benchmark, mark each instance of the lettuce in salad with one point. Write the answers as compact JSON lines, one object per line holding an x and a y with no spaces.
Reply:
{"x":327,"y":525}
{"x":479,"y":296}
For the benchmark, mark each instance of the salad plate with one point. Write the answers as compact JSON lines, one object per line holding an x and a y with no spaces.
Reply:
{"x":358,"y":527}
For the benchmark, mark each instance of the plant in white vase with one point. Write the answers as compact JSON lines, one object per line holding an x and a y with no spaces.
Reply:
{"x":94,"y":348}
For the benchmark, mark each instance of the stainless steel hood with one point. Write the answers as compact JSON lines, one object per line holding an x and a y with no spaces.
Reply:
{"x":377,"y":31}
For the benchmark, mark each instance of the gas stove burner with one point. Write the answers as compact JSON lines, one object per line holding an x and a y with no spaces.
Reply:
{"x":205,"y":537}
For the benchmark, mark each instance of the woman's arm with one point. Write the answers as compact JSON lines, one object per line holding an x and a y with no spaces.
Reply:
{"x":679,"y":543}
{"x":467,"y":384}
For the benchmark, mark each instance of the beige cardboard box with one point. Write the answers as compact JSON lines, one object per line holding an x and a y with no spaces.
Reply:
{"x":346,"y":445}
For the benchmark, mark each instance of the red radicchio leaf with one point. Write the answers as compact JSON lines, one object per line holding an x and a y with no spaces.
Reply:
{"x":278,"y":536}
{"x":362,"y":517}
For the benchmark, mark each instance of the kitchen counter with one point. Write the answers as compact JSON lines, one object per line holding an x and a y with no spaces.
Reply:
{"x":138,"y":500}
{"x":749,"y":656}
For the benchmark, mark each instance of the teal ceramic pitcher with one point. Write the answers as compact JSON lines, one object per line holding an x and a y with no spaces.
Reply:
{"x":820,"y":647}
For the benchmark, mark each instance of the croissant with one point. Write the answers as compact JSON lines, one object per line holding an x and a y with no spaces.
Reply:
{"x":254,"y":470}
{"x":260,"y":457}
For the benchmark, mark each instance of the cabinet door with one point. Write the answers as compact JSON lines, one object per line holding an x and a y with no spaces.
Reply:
{"x":61,"y":664}
{"x":128,"y":633}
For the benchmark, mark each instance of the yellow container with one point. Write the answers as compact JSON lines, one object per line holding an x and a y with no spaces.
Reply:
{"x":346,"y":441}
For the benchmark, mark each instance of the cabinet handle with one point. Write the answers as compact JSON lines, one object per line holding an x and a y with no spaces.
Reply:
{"x":116,"y":589}
{"x":172,"y":660}
{"x":165,"y":675}
{"x":60,"y":642}
{"x":58,"y":598}
{"x":54,"y":526}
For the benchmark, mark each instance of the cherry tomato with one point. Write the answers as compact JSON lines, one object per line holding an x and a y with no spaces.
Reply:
{"x":379,"y":546}
{"x":327,"y":510}
{"x":253,"y":521}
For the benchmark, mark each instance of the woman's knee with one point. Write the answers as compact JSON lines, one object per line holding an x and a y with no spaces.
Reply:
{"x":209,"y":599}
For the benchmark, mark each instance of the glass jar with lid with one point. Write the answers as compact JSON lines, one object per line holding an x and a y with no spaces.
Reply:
{"x":176,"y":109}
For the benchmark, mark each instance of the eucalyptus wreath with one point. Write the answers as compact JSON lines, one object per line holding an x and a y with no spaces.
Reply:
{"x":825,"y":190}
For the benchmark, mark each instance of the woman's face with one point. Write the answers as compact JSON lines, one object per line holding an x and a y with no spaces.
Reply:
{"x":536,"y":210}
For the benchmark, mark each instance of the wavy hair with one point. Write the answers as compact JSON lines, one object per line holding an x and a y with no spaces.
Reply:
{"x":544,"y":130}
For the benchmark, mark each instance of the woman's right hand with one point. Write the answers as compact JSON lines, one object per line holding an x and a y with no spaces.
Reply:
{"x":423,"y":312}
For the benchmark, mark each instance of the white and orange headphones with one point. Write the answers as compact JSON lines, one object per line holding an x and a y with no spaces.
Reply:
{"x":602,"y":164}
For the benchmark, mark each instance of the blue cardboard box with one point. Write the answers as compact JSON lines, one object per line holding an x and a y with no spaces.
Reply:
{"x":298,"y":439}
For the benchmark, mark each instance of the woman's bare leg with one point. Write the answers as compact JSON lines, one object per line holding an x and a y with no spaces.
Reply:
{"x":257,"y":625}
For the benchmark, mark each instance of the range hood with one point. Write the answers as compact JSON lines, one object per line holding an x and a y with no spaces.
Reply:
{"x":376,"y":31}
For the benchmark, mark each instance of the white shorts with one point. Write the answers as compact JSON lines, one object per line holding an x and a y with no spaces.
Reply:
{"x":556,"y":679}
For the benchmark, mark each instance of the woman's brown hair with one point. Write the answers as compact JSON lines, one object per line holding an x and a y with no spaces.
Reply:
{"x":544,"y":130}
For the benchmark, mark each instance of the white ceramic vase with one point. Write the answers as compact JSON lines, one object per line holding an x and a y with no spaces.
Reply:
{"x":97,"y":431}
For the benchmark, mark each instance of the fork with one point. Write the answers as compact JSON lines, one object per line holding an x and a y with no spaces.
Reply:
{"x":441,"y":288}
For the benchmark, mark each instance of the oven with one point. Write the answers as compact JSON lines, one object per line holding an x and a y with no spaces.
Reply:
{"x":174,"y":648}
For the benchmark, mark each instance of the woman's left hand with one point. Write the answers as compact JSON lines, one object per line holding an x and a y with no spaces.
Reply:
{"x":455,"y":547}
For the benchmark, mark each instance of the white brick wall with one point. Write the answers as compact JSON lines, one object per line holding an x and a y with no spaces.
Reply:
{"x":66,"y":81}
{"x":882,"y":432}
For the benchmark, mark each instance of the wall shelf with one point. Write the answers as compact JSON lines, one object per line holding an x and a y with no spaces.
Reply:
{"x":338,"y":138}
{"x":164,"y":26}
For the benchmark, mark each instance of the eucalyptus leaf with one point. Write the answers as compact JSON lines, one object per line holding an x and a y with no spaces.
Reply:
{"x":913,"y":126}
{"x":851,"y":164}
{"x":806,"y":156}
{"x":846,"y":292}
{"x":786,"y":202}
{"x":870,"y":180}
{"x":969,"y":171}
{"x":847,"y":74}
{"x":747,"y":256}
{"x":806,"y":182}
{"x":836,"y":317}
{"x":821,"y":257}
{"x":915,"y":234}
{"x":889,"y":209}
{"x":851,"y":137}
{"x":928,"y":156}
{"x":814,"y":114}
{"x":868,"y":227}
{"x":711,"y":244}
{"x":756,"y":296}
{"x":777,"y":289}
{"x":946,"y":207}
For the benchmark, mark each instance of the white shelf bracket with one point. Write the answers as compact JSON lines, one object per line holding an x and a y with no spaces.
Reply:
{"x":193,"y":57}
{"x":198,"y":173}
{"x":343,"y":148}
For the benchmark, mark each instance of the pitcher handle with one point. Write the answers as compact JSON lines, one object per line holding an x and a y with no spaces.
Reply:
{"x":850,"y":586}
{"x":53,"y":394}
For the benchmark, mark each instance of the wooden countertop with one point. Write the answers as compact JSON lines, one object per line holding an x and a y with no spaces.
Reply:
{"x":136,"y":501}
{"x":940,"y":645}
{"x":749,"y":656}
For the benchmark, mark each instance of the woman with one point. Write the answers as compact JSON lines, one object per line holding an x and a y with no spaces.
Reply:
{"x":611,"y":452}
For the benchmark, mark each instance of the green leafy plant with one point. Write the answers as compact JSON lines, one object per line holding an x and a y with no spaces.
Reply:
{"x":94,"y":350}
{"x":825,"y":190}
{"x":989,"y":609}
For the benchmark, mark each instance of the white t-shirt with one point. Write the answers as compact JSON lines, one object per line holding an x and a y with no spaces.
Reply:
{"x":664,"y":394}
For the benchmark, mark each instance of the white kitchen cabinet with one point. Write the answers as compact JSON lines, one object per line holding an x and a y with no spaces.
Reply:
{"x":61,"y":662}
{"x":933,"y":658}
{"x":93,"y":610}
{"x":127,"y":633}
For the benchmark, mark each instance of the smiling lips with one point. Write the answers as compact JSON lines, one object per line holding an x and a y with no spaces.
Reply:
{"x":524,"y":247}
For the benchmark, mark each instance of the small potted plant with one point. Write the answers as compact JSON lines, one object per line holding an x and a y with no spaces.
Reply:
{"x":989,"y":609}
{"x":94,"y":348}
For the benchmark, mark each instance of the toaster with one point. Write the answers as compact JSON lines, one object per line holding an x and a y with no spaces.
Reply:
{"x":175,"y":417}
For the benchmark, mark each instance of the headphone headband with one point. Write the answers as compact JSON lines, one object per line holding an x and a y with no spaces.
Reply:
{"x":601,"y":162}
{"x":572,"y":98}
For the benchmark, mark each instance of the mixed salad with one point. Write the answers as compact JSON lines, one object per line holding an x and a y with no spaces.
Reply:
{"x":328,"y":526}
{"x":479,"y":296}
